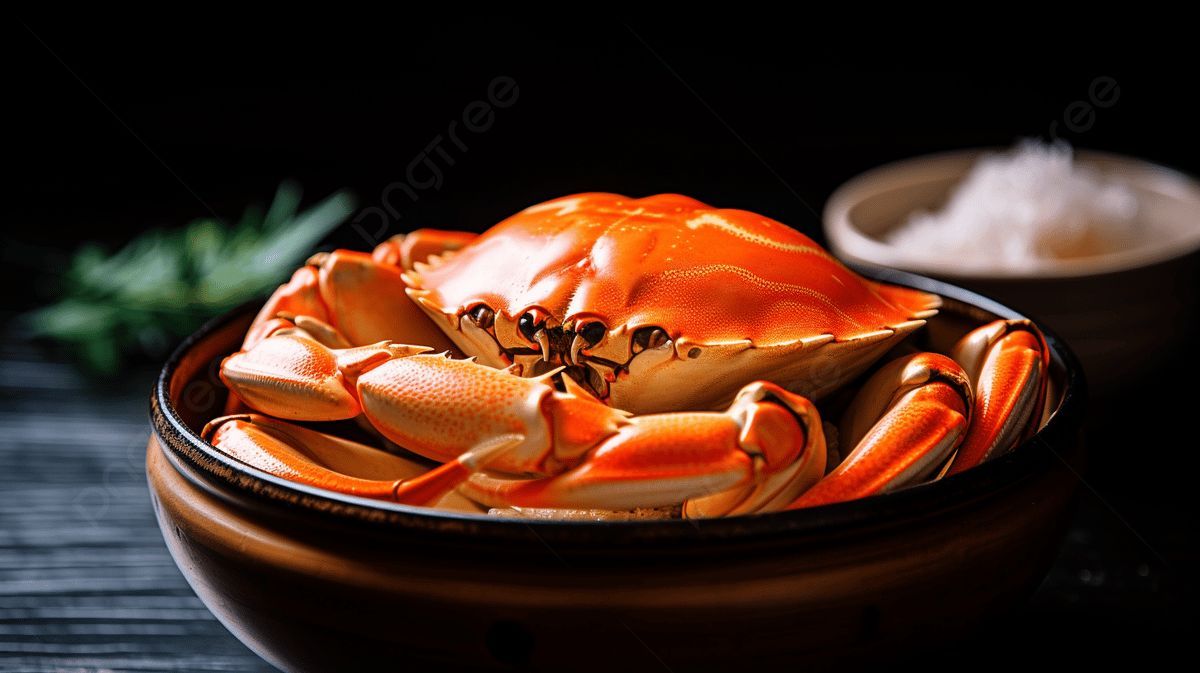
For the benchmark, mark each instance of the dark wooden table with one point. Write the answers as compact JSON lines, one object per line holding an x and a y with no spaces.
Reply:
{"x":86,"y":583}
{"x":85,"y":580}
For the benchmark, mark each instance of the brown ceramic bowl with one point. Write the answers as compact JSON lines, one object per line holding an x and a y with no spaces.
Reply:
{"x":317,"y":581}
{"x":1122,"y":313}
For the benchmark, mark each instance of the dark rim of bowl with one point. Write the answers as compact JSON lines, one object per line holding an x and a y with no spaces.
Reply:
{"x":215,"y":472}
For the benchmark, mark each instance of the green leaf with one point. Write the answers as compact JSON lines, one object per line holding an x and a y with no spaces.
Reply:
{"x":283,"y":208}
{"x":72,"y":320}
{"x":164,"y":283}
{"x":102,"y":355}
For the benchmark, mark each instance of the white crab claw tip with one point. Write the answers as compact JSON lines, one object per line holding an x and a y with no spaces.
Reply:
{"x":543,"y":340}
{"x":577,"y":346}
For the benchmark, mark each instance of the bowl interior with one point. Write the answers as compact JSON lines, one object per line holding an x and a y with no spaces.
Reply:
{"x":189,"y":393}
{"x":863,"y":210}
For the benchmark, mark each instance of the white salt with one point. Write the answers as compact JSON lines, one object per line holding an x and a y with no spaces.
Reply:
{"x":1030,"y":204}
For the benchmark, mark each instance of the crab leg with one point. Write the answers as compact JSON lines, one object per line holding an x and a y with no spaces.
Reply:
{"x":317,"y":459}
{"x":1006,"y":361}
{"x":360,"y":297}
{"x":904,"y":424}
{"x":406,"y":250}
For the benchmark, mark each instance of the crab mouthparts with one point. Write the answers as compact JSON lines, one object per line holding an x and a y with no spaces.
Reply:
{"x":563,"y":347}
{"x":589,"y":378}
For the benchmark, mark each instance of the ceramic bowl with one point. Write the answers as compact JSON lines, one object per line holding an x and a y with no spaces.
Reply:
{"x":1124,"y":313}
{"x":317,"y":581}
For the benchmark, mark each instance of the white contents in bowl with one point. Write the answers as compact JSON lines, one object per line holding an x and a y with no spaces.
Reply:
{"x":1030,"y":204}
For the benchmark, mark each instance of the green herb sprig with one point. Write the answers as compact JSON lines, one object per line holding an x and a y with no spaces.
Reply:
{"x":165,"y":283}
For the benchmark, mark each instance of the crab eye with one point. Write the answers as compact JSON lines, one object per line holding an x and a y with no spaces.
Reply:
{"x":483,"y":316}
{"x":592,"y":332}
{"x":527,"y":325}
{"x":648,"y":337}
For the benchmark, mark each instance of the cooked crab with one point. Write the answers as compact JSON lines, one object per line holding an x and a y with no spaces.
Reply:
{"x":602,"y":334}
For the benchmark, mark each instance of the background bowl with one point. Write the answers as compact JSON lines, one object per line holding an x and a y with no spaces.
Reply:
{"x":313,"y":580}
{"x":1123,"y":313}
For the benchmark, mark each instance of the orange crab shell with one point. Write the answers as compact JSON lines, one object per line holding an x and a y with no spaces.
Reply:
{"x":741,"y":296}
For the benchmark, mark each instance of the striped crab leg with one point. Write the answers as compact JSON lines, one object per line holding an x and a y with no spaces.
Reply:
{"x":905,"y":422}
{"x":1007,"y":362}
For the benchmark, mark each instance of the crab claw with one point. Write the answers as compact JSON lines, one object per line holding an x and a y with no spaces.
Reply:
{"x":294,"y":376}
{"x":771,"y":418}
{"x":904,"y":424}
{"x":758,"y":454}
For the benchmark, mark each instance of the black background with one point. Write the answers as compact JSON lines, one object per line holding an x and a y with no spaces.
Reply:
{"x":124,"y":128}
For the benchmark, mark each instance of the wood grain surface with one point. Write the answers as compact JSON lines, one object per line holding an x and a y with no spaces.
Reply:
{"x":85,"y":581}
